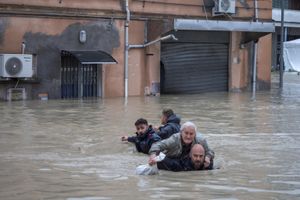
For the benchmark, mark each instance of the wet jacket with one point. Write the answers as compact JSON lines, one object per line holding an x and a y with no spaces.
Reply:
{"x":177,"y":165}
{"x":143,"y":142}
{"x":172,"y":126}
{"x":173,"y":146}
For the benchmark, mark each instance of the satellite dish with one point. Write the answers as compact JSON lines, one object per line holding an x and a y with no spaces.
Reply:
{"x":13,"y":66}
{"x":225,"y":4}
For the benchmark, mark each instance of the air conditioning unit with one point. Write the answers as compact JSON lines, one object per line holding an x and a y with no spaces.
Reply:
{"x":224,"y":6}
{"x":15,"y":65}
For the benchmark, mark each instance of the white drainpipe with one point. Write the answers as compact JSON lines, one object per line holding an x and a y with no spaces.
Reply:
{"x":126,"y":49}
{"x":23,"y":46}
{"x":255,"y":53}
{"x":171,"y":36}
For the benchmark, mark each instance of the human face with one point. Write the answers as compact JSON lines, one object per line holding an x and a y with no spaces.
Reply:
{"x":197,"y":157}
{"x":163,"y":119}
{"x":188,"y":135}
{"x":141,"y":128}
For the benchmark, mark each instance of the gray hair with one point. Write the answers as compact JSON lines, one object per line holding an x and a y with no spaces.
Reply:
{"x":188,"y":124}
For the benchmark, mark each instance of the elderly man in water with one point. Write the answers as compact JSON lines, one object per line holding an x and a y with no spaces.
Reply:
{"x":179,"y":145}
{"x":195,"y":161}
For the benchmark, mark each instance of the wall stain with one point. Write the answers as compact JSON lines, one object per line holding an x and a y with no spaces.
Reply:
{"x":3,"y":26}
{"x":101,"y":35}
{"x":262,"y":85}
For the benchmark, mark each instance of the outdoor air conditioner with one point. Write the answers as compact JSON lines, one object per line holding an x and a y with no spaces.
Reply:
{"x":224,"y":6}
{"x":15,"y":65}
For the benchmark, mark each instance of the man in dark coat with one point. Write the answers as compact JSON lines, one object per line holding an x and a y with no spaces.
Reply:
{"x":170,"y":122}
{"x":179,"y":145}
{"x":145,"y":136}
{"x":195,"y":161}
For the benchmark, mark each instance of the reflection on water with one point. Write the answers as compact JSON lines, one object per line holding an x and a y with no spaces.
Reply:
{"x":71,"y":149}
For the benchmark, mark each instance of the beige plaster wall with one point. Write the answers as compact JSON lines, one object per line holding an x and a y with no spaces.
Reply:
{"x":153,"y":64}
{"x":157,"y":8}
{"x":264,"y":62}
{"x":113,"y":75}
{"x":237,"y":64}
{"x":92,"y":4}
{"x":16,"y":27}
{"x":136,"y":61}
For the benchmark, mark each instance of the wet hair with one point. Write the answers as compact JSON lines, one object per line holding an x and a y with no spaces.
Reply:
{"x":167,"y":112}
{"x":141,"y":121}
{"x":188,"y":124}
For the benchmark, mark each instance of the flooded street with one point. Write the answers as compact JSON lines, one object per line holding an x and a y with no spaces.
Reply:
{"x":71,"y":149}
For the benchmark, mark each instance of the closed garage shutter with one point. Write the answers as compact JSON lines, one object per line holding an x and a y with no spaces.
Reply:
{"x":190,"y":68}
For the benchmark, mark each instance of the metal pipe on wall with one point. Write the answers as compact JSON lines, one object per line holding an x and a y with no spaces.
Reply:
{"x":170,"y":36}
{"x":126,"y":49}
{"x":256,"y":10}
{"x":281,"y":45}
{"x":23,"y":46}
{"x":255,"y":53}
{"x":254,"y":68}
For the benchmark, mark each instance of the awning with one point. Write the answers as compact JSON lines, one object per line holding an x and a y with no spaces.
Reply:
{"x":251,"y":30}
{"x":91,"y":57}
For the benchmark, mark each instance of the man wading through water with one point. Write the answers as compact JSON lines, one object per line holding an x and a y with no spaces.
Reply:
{"x":178,"y":146}
{"x":195,"y":161}
{"x":170,"y":124}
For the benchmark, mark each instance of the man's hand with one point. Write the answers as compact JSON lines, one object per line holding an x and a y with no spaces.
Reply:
{"x":206,"y":162}
{"x":156,"y":128}
{"x":124,"y":138}
{"x":152,"y":160}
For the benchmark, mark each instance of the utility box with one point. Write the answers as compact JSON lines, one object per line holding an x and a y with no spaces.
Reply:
{"x":16,"y":94}
{"x":224,"y":7}
{"x":155,"y":88}
{"x":43,"y":96}
{"x":15,"y":65}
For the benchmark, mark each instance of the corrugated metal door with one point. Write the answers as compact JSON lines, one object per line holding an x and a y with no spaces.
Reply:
{"x":190,"y":68}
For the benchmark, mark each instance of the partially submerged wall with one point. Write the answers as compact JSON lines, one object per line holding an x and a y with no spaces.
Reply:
{"x":45,"y":38}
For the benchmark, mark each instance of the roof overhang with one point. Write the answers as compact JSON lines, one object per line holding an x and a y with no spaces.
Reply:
{"x":92,"y":57}
{"x":251,"y":30}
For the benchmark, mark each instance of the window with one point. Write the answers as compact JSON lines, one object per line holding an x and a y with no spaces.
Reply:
{"x":277,"y":3}
{"x":288,"y":4}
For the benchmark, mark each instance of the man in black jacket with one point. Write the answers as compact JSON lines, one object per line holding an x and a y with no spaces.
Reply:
{"x":170,"y":122}
{"x":145,"y":136}
{"x":195,"y":161}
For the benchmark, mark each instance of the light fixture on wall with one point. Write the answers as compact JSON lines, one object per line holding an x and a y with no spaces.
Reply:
{"x":82,"y":36}
{"x":242,"y":46}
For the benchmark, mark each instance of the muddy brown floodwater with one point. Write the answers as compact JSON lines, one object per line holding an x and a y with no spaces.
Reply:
{"x":71,"y":149}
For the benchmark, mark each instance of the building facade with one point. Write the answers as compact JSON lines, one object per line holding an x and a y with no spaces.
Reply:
{"x":79,"y":49}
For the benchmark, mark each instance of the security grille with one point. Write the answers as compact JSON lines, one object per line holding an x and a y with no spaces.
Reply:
{"x":78,"y":80}
{"x":191,"y":68}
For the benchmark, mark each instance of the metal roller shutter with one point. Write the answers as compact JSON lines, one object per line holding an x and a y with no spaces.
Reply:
{"x":190,"y":68}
